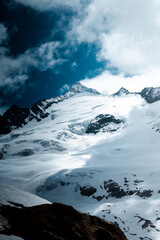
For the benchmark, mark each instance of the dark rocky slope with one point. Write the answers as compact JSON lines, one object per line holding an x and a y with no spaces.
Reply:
{"x":56,"y":222}
{"x":151,"y":94}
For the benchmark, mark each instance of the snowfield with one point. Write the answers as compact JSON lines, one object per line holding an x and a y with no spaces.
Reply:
{"x":114,"y":174}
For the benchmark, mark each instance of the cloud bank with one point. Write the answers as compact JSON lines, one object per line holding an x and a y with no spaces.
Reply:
{"x":44,"y":5}
{"x":107,"y":83}
{"x":127,"y":32}
{"x":14,"y":72}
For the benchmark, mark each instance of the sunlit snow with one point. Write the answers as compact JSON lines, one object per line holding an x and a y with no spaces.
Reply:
{"x":54,"y":158}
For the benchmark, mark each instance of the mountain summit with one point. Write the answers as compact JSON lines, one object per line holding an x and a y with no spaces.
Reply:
{"x":79,"y":88}
{"x":122,"y":91}
{"x":16,"y":117}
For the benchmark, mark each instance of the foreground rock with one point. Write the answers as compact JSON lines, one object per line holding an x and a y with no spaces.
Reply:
{"x":56,"y":221}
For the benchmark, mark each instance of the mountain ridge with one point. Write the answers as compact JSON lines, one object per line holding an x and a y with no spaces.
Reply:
{"x":16,"y":117}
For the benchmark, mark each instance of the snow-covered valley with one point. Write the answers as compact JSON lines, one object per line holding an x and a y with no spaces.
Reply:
{"x":98,"y":153}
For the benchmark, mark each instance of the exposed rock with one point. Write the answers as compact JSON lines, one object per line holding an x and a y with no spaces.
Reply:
{"x":146,"y":223}
{"x":24,"y":153}
{"x":1,"y":155}
{"x":39,"y":109}
{"x":151,"y":94}
{"x":87,"y":190}
{"x":98,"y":198}
{"x":144,"y":193}
{"x":137,"y":181}
{"x":57,"y":222}
{"x":13,"y":117}
{"x":102,"y":122}
{"x":114,"y":189}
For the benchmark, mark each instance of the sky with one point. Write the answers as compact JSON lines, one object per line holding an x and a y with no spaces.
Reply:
{"x":48,"y":45}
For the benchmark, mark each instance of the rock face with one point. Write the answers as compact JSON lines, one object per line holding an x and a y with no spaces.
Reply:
{"x":14,"y":116}
{"x":151,"y":94}
{"x":56,"y":221}
{"x":103,"y":122}
{"x":122,"y":91}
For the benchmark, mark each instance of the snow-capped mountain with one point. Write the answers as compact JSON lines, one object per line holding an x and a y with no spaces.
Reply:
{"x":97,"y":153}
{"x":121,"y":91}
{"x":16,"y":117}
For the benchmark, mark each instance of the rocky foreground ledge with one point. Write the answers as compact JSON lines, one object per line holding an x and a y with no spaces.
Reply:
{"x":55,"y":222}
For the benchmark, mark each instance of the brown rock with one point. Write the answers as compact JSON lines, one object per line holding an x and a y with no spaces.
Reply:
{"x":57,"y":222}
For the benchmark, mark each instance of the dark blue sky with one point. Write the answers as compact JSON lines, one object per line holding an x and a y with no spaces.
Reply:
{"x":48,"y":45}
{"x":27,"y":30}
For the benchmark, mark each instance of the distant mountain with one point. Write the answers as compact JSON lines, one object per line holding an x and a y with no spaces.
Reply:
{"x":150,"y":94}
{"x":122,"y":91}
{"x":16,"y":117}
{"x":79,"y":88}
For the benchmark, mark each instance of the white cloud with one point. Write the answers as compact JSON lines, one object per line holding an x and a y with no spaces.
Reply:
{"x":64,"y":89}
{"x":49,"y":4}
{"x":14,"y":72}
{"x":127,"y":32}
{"x":47,"y":55}
{"x":107,"y":83}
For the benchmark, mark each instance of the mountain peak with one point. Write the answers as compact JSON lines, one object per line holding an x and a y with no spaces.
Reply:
{"x":79,"y":88}
{"x":121,"y":91}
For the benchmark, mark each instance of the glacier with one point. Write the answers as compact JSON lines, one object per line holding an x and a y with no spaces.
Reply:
{"x":112,"y":173}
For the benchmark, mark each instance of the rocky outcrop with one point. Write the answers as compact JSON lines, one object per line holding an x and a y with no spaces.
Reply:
{"x":87,"y":190}
{"x":56,"y":222}
{"x":13,"y":117}
{"x":151,"y":94}
{"x":103,"y":122}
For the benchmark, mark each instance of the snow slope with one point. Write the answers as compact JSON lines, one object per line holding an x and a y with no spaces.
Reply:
{"x":113,"y":174}
{"x":10,"y":195}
